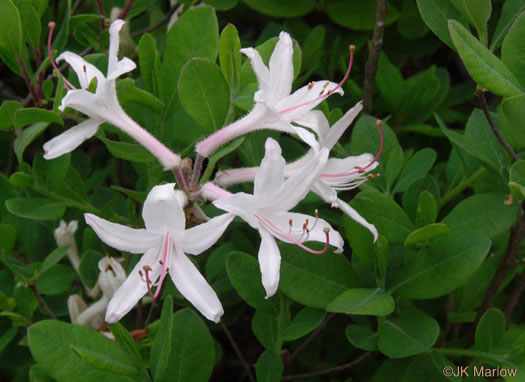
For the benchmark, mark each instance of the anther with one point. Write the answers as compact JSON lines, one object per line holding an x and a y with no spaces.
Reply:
{"x":84,"y":68}
{"x":311,"y":85}
{"x":317,"y":213}
{"x":160,"y":262}
{"x":322,"y":92}
{"x":326,"y":84}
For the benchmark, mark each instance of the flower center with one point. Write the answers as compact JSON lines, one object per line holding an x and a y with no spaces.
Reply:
{"x":146,"y":269}
{"x":52,"y":26}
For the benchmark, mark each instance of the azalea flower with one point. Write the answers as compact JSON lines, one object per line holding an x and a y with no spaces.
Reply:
{"x":275,"y":108}
{"x":111,"y":277}
{"x":164,"y":243}
{"x":101,"y":106}
{"x":338,"y":173}
{"x":65,"y":235}
{"x":267,"y":210}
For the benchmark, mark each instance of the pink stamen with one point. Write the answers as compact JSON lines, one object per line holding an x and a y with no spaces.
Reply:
{"x":51,"y":26}
{"x":292,"y":240}
{"x":164,"y":263}
{"x":148,"y":281}
{"x":324,"y":95}
{"x":362,"y":170}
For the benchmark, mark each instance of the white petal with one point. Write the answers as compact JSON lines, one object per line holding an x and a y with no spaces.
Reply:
{"x":93,"y":316}
{"x":345,"y":207}
{"x":281,"y":68}
{"x":123,"y":66}
{"x":307,"y":137}
{"x":134,"y":287}
{"x":116,"y":67}
{"x":332,"y":135}
{"x":314,"y":120}
{"x":84,"y":70}
{"x":349,"y":164}
{"x":240,"y":204}
{"x":199,"y":238}
{"x":261,"y":71}
{"x":162,"y":212}
{"x":121,"y":237}
{"x":194,"y":287}
{"x":327,"y":193}
{"x":269,"y":177}
{"x":70,"y":139}
{"x":270,"y":262}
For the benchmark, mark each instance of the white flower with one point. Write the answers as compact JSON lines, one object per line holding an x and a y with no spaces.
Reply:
{"x":102,"y":106}
{"x":267,"y":211}
{"x":164,"y":243}
{"x":275,"y":108}
{"x":65,"y":235}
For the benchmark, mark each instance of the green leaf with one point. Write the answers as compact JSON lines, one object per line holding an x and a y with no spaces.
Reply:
{"x":149,"y":63}
{"x":417,"y":167}
{"x":26,"y":137}
{"x":128,"y":344}
{"x":513,"y":112}
{"x":510,"y":11}
{"x":53,"y":258}
{"x":58,"y":279}
{"x":245,"y":276}
{"x":484,"y":213}
{"x":484,"y":67}
{"x":61,"y":38}
{"x":230,"y":58}
{"x":222,"y":5}
{"x":102,"y":362}
{"x":30,"y":22}
{"x":64,"y":365}
{"x":478,"y":13}
{"x":357,"y":15}
{"x":10,"y":29}
{"x":19,"y":269}
{"x":195,"y":34}
{"x":7,"y":236}
{"x":362,"y":337}
{"x":35,"y":208}
{"x":267,"y":328}
{"x":192,"y":353}
{"x":513,"y":49}
{"x":411,"y":25}
{"x":490,"y":330}
{"x":427,"y":209}
{"x":128,"y":151}
{"x":412,"y":200}
{"x":269,"y":367}
{"x":303,"y":323}
{"x":314,"y":280}
{"x":373,"y":302}
{"x":88,"y":268}
{"x":161,"y":348}
{"x":204,"y":93}
{"x":128,"y":92}
{"x":219,"y":154}
{"x":446,"y":263}
{"x":426,"y":233}
{"x":517,"y":180}
{"x":7,"y":114}
{"x":436,"y":14}
{"x":277,"y":8}
{"x":411,"y":333}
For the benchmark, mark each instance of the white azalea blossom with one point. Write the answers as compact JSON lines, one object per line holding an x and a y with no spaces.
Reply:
{"x":164,"y":243}
{"x":267,"y":211}
{"x":103,"y":105}
{"x":275,"y":108}
{"x":65,"y":235}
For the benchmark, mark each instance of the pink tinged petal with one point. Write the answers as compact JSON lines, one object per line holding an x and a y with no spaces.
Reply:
{"x":345,"y":207}
{"x":194,"y":287}
{"x":336,"y":166}
{"x":162,"y":212}
{"x":270,"y":175}
{"x":116,"y":67}
{"x":121,"y":237}
{"x":199,"y":238}
{"x":259,"y":68}
{"x":134,"y":288}
{"x":234,"y":176}
{"x":70,"y":139}
{"x":281,"y":68}
{"x":84,"y":70}
{"x":332,"y":136}
{"x":269,"y":262}
{"x":316,"y":121}
{"x":242,"y":205}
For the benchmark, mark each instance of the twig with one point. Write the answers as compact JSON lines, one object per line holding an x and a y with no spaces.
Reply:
{"x":75,"y":7}
{"x":100,"y":7}
{"x":238,"y":352}
{"x":150,"y":313}
{"x":27,"y":79}
{"x":515,"y":297}
{"x":327,"y":371}
{"x":158,"y":24}
{"x":42,"y":302}
{"x":483,"y":102}
{"x":125,"y":10}
{"x":310,"y":338}
{"x":373,"y":56}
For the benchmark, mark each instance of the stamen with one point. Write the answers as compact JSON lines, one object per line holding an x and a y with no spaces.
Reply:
{"x":322,"y":96}
{"x":290,"y":222}
{"x":311,"y":85}
{"x":52,"y":26}
{"x":361,"y":170}
{"x":147,"y":269}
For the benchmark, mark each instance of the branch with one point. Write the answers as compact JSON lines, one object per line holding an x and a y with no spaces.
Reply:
{"x":42,"y":302}
{"x":373,"y":56}
{"x":122,"y":15}
{"x":159,"y":23}
{"x":238,"y":352}
{"x":514,"y":297}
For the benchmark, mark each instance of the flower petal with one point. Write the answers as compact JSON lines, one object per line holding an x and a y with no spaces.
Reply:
{"x":134,"y":288}
{"x":332,"y":135}
{"x":70,"y":139}
{"x":199,"y":238}
{"x":116,"y":67}
{"x":194,"y":287}
{"x":315,"y":120}
{"x":281,"y":68}
{"x":270,"y":262}
{"x":121,"y":237}
{"x":269,"y":177}
{"x":345,"y":207}
{"x":84,"y":70}
{"x":162,"y":212}
{"x":242,"y":205}
{"x":259,"y":68}
{"x":349,"y":164}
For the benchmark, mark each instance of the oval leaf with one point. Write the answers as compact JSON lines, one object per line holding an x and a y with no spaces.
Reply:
{"x":374,"y":302}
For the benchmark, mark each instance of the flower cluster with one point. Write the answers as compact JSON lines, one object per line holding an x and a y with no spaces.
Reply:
{"x":277,"y":186}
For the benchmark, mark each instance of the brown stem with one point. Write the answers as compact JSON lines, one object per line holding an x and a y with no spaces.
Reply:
{"x":507,"y":263}
{"x":328,"y":371}
{"x":483,"y":102}
{"x":158,"y":24}
{"x":238,"y":352}
{"x":369,"y":83}
{"x":514,"y":297}
{"x":75,"y":7}
{"x":42,"y":302}
{"x":38,"y":58}
{"x":125,"y":10}
{"x":27,"y":79}
{"x":100,"y":7}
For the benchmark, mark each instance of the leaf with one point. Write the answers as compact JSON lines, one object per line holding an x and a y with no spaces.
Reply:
{"x":412,"y":199}
{"x":490,"y":330}
{"x":30,"y":22}
{"x":53,"y":258}
{"x":128,"y":344}
{"x":27,"y":136}
{"x":161,"y":348}
{"x":62,"y":36}
{"x":373,"y":302}
{"x":484,"y":67}
{"x":513,"y":49}
{"x":35,"y":208}
{"x":303,"y":323}
{"x":411,"y":333}
{"x":510,"y":11}
{"x":426,"y":233}
{"x":362,"y":337}
{"x":267,"y":328}
{"x":269,"y":367}
{"x":7,"y":114}
{"x":149,"y":63}
{"x":222,"y":5}
{"x":10,"y":29}
{"x":101,"y":362}
{"x":7,"y":236}
{"x":427,"y":210}
{"x":358,"y":15}
{"x":445,"y":264}
{"x":128,"y":151}
{"x":417,"y":167}
{"x":513,"y":112}
{"x":230,"y":58}
{"x":478,"y":13}
{"x":277,"y":8}
{"x":411,"y":25}
{"x":58,"y":279}
{"x":128,"y":92}
{"x":204,"y":93}
{"x":517,"y":180}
